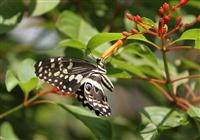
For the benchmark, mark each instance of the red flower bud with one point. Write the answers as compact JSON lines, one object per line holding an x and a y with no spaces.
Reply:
{"x":182,"y":2}
{"x":134,"y":31}
{"x":129,"y":16}
{"x":126,"y":33}
{"x":161,"y":11}
{"x":166,"y":7}
{"x":137,"y":19}
{"x":166,"y":19}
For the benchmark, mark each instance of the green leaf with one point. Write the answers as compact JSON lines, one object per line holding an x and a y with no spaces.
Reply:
{"x":160,"y":118}
{"x":11,"y":12}
{"x":10,"y":80}
{"x":100,"y":127}
{"x":28,"y":85}
{"x":39,"y":7}
{"x":102,"y":38}
{"x":71,"y":43}
{"x":126,"y":66}
{"x":148,"y":21}
{"x":25,"y":71}
{"x":140,"y":50}
{"x":149,"y":132}
{"x":140,"y":37}
{"x":192,"y":34}
{"x":117,"y":73}
{"x":190,"y":65}
{"x":165,"y":118}
{"x":194,"y":112}
{"x":6,"y":132}
{"x":75,"y":27}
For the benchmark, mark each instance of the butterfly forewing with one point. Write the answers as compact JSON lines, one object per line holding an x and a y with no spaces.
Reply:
{"x":65,"y":74}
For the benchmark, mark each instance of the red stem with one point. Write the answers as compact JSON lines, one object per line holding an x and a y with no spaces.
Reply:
{"x":184,"y":107}
{"x":179,"y":47}
{"x":186,"y":77}
{"x":163,"y":91}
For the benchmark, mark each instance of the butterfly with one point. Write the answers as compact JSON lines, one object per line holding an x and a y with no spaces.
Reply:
{"x":78,"y":76}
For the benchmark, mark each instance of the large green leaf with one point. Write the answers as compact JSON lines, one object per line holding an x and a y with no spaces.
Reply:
{"x":140,"y":37}
{"x":25,"y":70}
{"x":140,"y":50}
{"x":39,"y":7}
{"x":26,"y":77}
{"x":102,"y":38}
{"x":6,"y":132}
{"x":11,"y":12}
{"x":71,"y":43}
{"x":127,"y":67}
{"x":189,"y":64}
{"x":10,"y":81}
{"x":117,"y":73}
{"x":100,"y":127}
{"x":192,"y":34}
{"x":28,"y":85}
{"x":160,"y":118}
{"x":194,"y":112}
{"x":75,"y":27}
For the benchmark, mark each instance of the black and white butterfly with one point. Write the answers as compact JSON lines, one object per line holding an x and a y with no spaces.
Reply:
{"x":79,"y":77}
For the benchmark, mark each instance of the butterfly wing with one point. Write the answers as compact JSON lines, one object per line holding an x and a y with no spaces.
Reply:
{"x":92,"y":95}
{"x":65,"y":74}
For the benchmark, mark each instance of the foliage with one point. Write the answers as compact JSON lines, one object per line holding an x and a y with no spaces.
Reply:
{"x":157,"y":66}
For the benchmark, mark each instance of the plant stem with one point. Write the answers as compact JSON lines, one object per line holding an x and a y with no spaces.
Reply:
{"x":11,"y":111}
{"x":166,"y":66}
{"x":17,"y":107}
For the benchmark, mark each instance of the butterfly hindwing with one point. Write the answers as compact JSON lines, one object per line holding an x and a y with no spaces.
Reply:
{"x":92,"y":95}
{"x":65,"y":74}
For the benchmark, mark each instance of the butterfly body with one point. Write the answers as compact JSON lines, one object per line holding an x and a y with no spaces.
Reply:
{"x":79,"y":77}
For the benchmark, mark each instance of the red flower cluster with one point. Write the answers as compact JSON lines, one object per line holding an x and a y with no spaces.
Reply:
{"x":165,"y":16}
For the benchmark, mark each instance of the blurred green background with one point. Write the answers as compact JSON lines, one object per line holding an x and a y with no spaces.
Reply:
{"x":34,"y":29}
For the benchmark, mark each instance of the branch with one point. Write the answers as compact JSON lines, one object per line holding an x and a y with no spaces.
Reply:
{"x":178,"y":47}
{"x":163,"y":91}
{"x":186,"y":77}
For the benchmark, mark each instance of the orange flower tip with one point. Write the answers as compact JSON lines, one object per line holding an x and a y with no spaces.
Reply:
{"x":134,"y":31}
{"x":126,"y":33}
{"x":129,"y":16}
{"x":166,"y":19}
{"x":198,"y":18}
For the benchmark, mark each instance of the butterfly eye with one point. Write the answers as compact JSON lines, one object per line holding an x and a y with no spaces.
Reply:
{"x":88,"y":86}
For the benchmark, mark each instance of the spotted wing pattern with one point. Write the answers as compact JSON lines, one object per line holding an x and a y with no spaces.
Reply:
{"x":65,"y":74}
{"x":80,"y":77}
{"x":92,"y":95}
